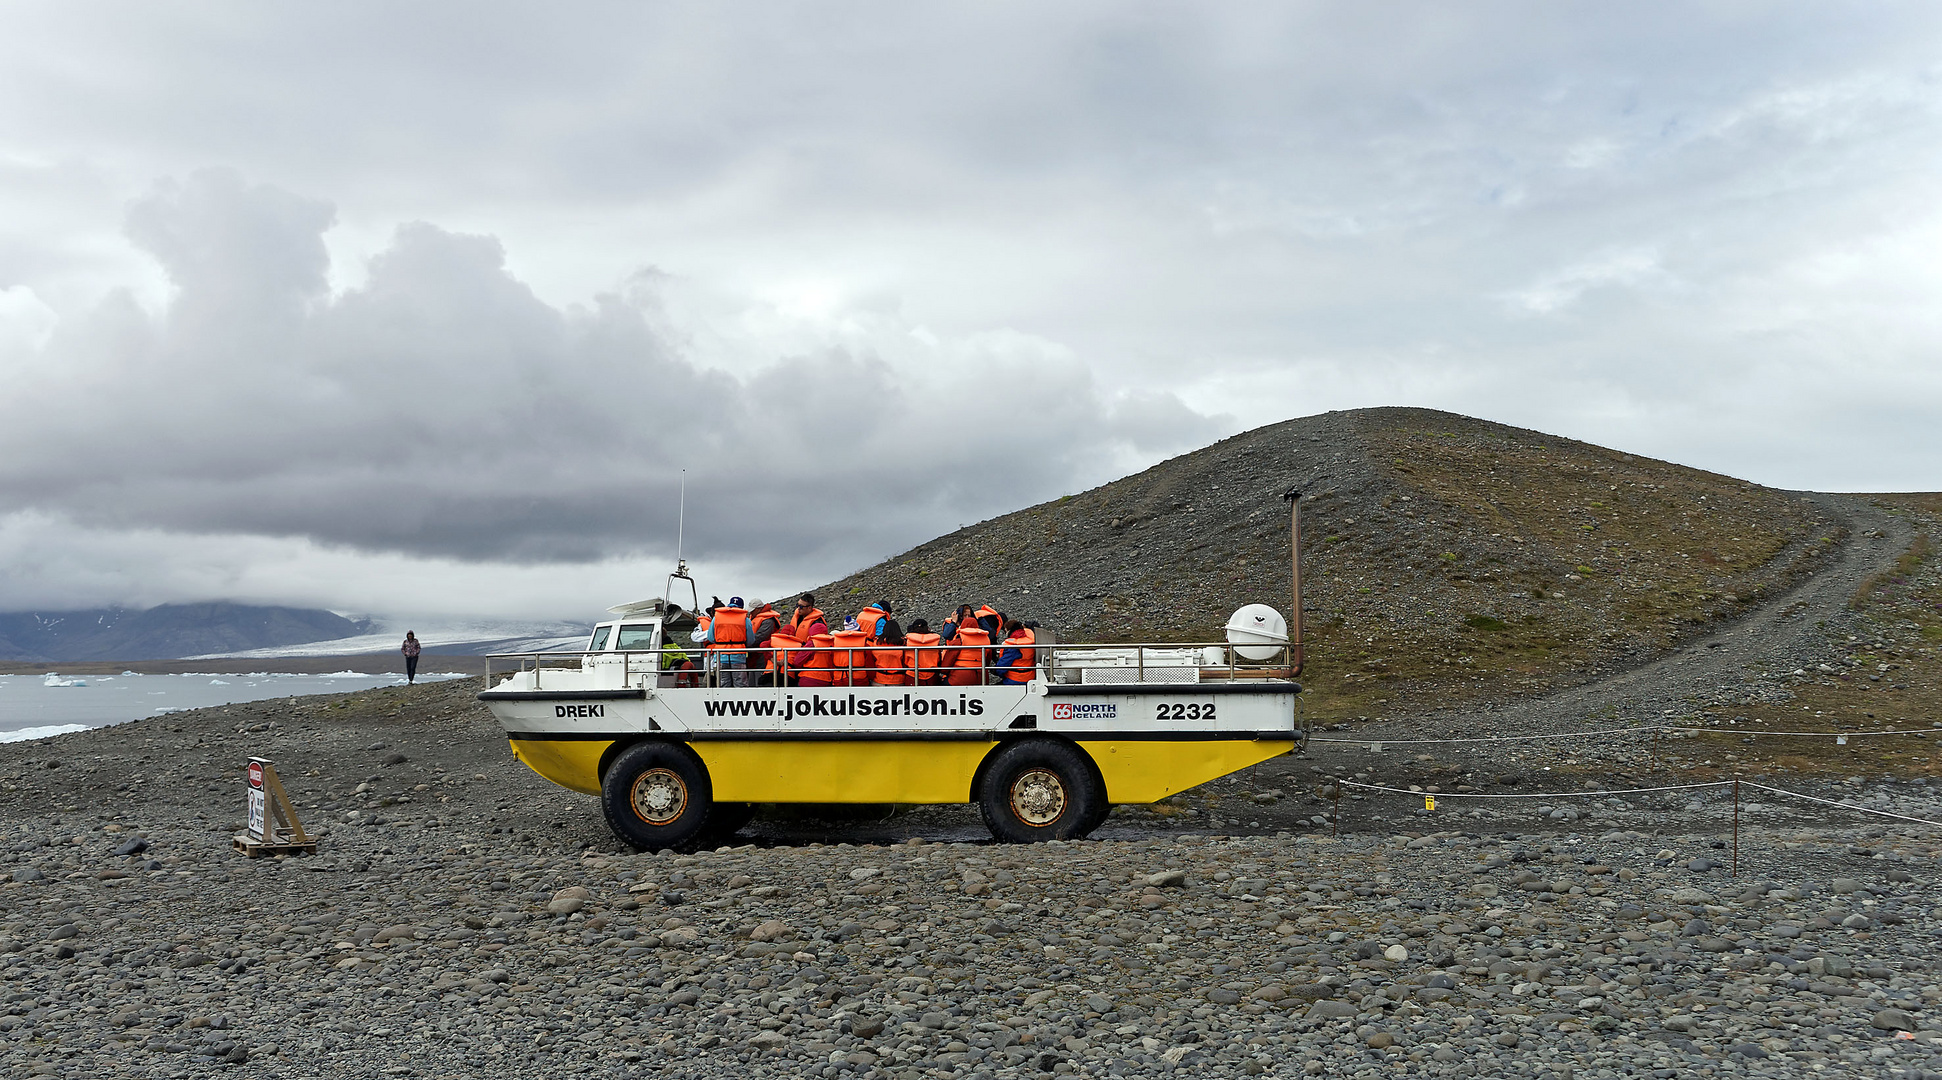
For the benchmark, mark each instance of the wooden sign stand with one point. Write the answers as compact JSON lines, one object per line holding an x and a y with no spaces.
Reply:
{"x":273,"y":825}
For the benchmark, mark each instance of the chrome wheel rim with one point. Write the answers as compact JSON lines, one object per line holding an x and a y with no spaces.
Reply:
{"x":659,"y":796}
{"x":1038,"y":796}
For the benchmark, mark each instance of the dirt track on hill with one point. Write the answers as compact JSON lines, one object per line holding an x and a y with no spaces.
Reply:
{"x":1788,"y":632}
{"x":1523,"y":746}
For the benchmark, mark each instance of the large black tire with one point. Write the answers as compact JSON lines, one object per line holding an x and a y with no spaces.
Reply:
{"x":657,"y":797}
{"x":1041,"y":789}
{"x":1098,"y":816}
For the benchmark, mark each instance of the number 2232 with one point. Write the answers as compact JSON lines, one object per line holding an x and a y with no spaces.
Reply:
{"x":1178,"y":711}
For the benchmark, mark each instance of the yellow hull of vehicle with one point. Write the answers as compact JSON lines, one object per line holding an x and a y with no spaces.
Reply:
{"x":905,"y":771}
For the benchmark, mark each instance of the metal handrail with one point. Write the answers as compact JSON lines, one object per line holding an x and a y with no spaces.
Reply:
{"x":1046,"y":660}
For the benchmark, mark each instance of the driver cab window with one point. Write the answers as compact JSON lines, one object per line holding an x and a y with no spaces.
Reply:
{"x":600,"y":638}
{"x":636,"y":637}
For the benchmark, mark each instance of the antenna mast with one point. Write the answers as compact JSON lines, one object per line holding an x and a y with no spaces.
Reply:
{"x":681,"y":521}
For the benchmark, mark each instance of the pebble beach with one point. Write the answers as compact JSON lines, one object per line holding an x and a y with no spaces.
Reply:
{"x":464,"y":918}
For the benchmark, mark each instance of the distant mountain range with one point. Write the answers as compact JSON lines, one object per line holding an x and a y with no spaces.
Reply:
{"x":165,"y":632}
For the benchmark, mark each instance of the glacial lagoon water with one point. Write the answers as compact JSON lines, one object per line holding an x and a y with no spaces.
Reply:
{"x":37,"y":706}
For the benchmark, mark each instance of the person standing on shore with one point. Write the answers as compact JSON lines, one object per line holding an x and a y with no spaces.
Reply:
{"x":411,"y":656}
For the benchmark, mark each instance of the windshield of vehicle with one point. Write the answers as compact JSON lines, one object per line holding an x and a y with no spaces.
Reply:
{"x":599,"y":638}
{"x":636,"y":637}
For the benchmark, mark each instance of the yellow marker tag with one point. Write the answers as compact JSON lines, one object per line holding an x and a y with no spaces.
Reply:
{"x":1429,"y":802}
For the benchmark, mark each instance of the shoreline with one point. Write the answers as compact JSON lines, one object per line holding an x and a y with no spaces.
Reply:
{"x":369,"y":663}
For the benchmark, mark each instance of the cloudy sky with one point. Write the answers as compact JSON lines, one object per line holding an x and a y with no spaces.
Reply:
{"x":425,"y":309}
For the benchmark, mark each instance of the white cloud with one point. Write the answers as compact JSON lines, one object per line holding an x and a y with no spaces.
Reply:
{"x":26,"y":322}
{"x":1612,"y":269}
{"x":478,"y":284}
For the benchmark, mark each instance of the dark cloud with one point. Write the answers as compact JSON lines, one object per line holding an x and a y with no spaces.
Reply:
{"x":441,"y":409}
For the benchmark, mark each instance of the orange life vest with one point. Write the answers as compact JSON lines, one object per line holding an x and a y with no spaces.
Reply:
{"x":866,"y":621}
{"x":730,"y":628}
{"x":892,"y":666}
{"x":783,"y":644}
{"x":971,"y":642}
{"x":820,"y":671}
{"x":800,"y":621}
{"x":925,"y":657}
{"x":1026,"y":664}
{"x":853,"y":662}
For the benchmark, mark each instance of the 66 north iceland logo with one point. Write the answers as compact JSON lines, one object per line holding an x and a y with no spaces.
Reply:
{"x":1070,"y":710}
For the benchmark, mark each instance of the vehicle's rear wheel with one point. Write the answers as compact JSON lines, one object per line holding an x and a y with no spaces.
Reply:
{"x":1040,"y":789}
{"x":657,"y":796}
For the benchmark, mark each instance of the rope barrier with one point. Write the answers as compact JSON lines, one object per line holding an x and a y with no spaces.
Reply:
{"x":1655,"y":730}
{"x":1430,"y":798}
{"x":1489,"y":738}
{"x":1842,"y":805}
{"x":1804,"y":734}
{"x":1530,"y":795}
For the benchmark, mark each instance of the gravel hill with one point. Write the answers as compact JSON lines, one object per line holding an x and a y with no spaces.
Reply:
{"x":1446,"y":558}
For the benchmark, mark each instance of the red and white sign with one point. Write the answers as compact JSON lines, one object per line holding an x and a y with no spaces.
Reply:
{"x":256,"y":807}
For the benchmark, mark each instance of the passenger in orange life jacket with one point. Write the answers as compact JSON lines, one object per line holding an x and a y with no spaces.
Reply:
{"x":992,"y":620}
{"x":870,"y":620}
{"x":806,"y":613}
{"x":891,"y":656}
{"x":1018,"y":660}
{"x":926,"y":659}
{"x":968,"y":655}
{"x":702,"y":635}
{"x":961,"y":617}
{"x":853,"y":659}
{"x":812,"y":662}
{"x":728,"y":637}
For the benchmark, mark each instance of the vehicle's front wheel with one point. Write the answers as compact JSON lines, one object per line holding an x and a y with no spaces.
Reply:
{"x":1040,"y":789}
{"x":657,"y":796}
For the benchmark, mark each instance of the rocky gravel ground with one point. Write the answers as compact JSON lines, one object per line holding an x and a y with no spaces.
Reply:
{"x":464,"y":918}
{"x":412,"y":951}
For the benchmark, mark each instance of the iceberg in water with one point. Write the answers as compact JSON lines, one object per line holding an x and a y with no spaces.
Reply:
{"x":217,"y":682}
{"x":55,"y":680}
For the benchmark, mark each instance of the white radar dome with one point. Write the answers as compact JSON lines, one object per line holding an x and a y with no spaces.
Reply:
{"x":1257,"y":632}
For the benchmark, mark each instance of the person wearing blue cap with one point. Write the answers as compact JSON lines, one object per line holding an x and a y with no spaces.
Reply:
{"x":728,"y":637}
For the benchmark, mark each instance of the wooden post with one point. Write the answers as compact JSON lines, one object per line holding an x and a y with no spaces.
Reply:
{"x":1294,"y":579}
{"x":1735,"y":870}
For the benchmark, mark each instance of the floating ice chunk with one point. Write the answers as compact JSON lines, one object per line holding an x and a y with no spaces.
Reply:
{"x":55,"y":680}
{"x":217,"y":682}
{"x":48,"y":732}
